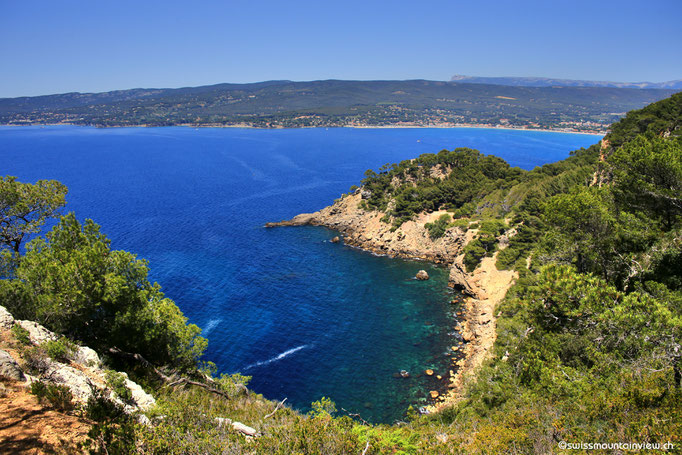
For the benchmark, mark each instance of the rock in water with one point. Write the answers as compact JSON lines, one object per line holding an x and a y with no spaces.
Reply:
{"x":336,"y":239}
{"x":422,"y":275}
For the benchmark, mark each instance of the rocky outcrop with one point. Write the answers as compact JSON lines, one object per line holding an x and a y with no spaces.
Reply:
{"x":478,"y":329}
{"x":9,"y":368}
{"x":461,"y":280}
{"x":298,"y":220}
{"x":6,"y":319}
{"x":37,"y":332}
{"x":365,"y":229}
{"x":82,"y":373}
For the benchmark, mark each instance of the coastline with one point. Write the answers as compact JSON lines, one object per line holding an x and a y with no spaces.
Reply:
{"x":406,"y":126}
{"x":483,"y":289}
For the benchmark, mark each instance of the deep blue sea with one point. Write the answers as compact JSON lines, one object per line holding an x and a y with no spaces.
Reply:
{"x":305,"y":317}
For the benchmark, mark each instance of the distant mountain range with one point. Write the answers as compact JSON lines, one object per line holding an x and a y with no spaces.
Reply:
{"x":333,"y":103}
{"x":549,"y":82}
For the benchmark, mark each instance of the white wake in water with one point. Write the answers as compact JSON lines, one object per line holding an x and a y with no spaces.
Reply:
{"x":210,"y":326}
{"x":278,"y":357}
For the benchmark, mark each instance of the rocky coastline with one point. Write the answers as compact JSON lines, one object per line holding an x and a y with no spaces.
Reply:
{"x":484,"y":288}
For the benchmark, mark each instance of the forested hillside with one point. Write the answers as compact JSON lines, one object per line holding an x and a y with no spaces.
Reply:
{"x":337,"y":103}
{"x":588,"y":346}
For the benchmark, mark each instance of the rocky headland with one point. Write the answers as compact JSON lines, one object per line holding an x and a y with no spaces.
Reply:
{"x":485,"y":287}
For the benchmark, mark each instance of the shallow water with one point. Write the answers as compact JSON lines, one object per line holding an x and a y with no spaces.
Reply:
{"x":305,"y":317}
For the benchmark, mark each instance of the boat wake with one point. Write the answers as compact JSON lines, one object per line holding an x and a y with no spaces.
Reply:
{"x":210,"y":326}
{"x":278,"y":357}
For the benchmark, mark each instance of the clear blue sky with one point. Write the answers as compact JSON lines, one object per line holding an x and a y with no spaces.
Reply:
{"x":61,"y":46}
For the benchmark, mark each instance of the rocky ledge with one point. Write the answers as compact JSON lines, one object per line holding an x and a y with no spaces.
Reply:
{"x":82,"y":371}
{"x":364,"y":229}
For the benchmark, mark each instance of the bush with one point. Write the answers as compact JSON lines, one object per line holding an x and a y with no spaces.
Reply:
{"x":73,"y":283}
{"x":57,"y":396}
{"x":114,"y":430}
{"x":60,"y":349}
{"x":494,"y":227}
{"x":21,"y":334}
{"x":484,"y":245}
{"x":462,"y":223}
{"x":36,"y":360}
{"x":100,"y":408}
{"x":437,"y":228}
{"x":117,"y":382}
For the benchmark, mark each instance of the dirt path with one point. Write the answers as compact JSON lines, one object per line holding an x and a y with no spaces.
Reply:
{"x":27,"y":427}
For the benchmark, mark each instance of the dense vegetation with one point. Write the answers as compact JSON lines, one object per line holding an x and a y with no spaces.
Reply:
{"x":589,"y":338}
{"x":336,"y":103}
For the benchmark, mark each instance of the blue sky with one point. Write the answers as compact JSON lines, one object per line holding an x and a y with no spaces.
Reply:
{"x":61,"y":46}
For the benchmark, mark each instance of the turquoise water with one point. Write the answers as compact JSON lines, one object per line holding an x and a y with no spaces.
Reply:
{"x":305,"y":317}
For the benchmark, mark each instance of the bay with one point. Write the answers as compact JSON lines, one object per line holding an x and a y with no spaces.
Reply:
{"x":305,"y":317}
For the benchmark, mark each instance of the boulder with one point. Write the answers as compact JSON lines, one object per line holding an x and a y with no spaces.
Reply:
{"x":37,"y":332}
{"x":9,"y":368}
{"x":142,"y":399}
{"x":336,"y":239}
{"x":86,"y":356}
{"x":6,"y":319}
{"x":245,"y":429}
{"x":434,"y":394}
{"x":422,"y":275}
{"x":78,"y":382}
{"x":429,"y":372}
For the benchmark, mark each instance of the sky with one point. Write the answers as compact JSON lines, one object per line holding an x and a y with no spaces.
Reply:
{"x":63,"y":46}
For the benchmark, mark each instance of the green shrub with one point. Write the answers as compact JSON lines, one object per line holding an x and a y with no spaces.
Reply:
{"x":100,"y":408}
{"x":21,"y":334}
{"x":323,"y":407}
{"x":494,"y":227}
{"x":57,"y":396}
{"x":462,"y":223}
{"x":234,"y":384}
{"x":437,"y":228}
{"x":114,"y":430}
{"x":483,"y":245}
{"x":117,"y":382}
{"x":60,"y":349}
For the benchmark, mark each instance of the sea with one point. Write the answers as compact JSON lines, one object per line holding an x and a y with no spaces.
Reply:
{"x":304,"y":317}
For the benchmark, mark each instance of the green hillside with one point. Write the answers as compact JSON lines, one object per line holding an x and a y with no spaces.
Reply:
{"x":337,"y":103}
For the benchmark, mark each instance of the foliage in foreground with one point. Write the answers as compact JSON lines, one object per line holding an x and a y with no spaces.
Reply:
{"x":71,"y":282}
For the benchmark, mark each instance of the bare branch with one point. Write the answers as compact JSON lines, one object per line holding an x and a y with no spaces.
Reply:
{"x":276,"y":408}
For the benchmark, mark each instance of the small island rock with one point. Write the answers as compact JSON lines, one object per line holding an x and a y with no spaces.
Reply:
{"x":336,"y":239}
{"x":422,"y":275}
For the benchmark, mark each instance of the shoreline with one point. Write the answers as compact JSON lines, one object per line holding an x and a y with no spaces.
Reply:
{"x":482,"y":289}
{"x":245,"y":126}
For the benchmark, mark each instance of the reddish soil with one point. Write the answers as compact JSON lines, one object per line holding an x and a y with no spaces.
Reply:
{"x":28,"y":427}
